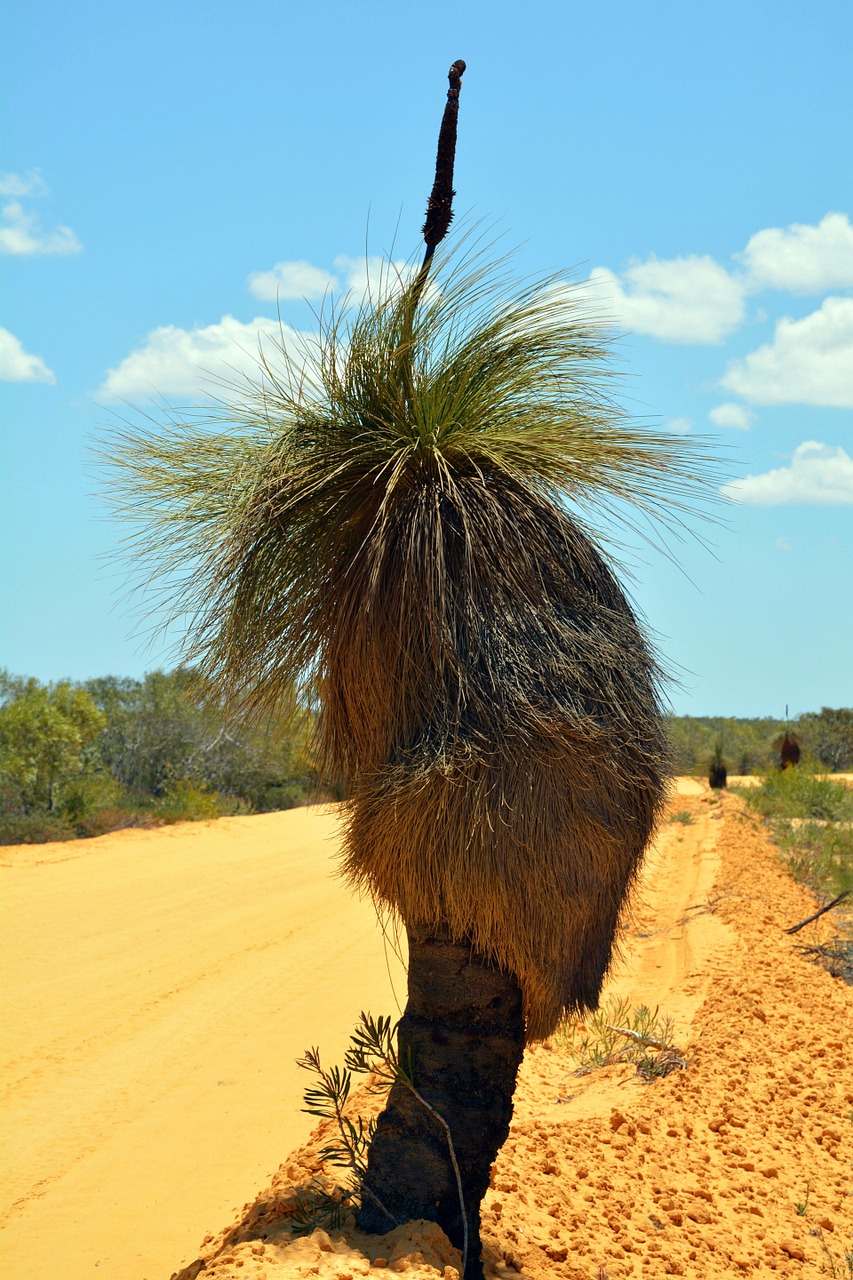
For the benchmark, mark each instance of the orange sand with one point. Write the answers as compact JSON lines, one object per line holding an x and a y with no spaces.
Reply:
{"x":231,"y":948}
{"x":157,"y":987}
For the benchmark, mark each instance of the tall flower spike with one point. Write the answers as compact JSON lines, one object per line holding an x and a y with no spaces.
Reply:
{"x":439,"y":213}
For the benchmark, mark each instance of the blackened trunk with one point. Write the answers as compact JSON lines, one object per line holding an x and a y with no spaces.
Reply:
{"x":789,"y":753}
{"x":464,"y":1029}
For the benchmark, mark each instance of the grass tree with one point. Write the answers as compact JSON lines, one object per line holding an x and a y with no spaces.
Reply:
{"x":717,"y":772}
{"x":399,"y":526}
{"x":789,"y":751}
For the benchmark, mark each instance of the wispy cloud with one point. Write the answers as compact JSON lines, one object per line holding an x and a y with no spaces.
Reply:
{"x":18,"y":365}
{"x":292,"y":280}
{"x":189,"y":362}
{"x":20,"y":234}
{"x":802,"y":258}
{"x":22,"y":184}
{"x":732,"y":415}
{"x":685,"y":300}
{"x":818,"y":473}
{"x":373,"y":276}
{"x":360,"y":277}
{"x":809,"y":361}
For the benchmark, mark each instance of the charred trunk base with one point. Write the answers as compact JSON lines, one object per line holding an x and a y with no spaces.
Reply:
{"x":463,"y":1032}
{"x":717,"y":776}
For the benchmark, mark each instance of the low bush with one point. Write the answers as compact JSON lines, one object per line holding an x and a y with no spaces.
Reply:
{"x":820,"y":857}
{"x":810,"y":817}
{"x":186,"y":801}
{"x":35,"y":828}
{"x":615,"y":1034}
{"x":115,"y":818}
{"x":801,"y":793}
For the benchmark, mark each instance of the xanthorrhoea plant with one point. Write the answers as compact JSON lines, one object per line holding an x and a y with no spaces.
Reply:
{"x":399,"y":527}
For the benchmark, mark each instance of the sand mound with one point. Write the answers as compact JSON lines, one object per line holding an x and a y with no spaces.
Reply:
{"x":738,"y":1165}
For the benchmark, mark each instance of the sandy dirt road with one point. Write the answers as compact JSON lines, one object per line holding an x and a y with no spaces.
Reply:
{"x":160,"y":985}
{"x":157,"y":987}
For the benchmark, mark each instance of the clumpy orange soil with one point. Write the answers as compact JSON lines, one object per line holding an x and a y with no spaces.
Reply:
{"x":739,"y":1165}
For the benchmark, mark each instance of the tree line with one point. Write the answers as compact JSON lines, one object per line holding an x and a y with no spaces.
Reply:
{"x":81,"y":759}
{"x":748,"y":746}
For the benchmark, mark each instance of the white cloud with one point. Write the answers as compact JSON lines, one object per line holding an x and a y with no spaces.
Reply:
{"x":782,"y":544}
{"x":291,"y":280}
{"x":177,"y":362}
{"x":185,"y":362}
{"x":679,"y":426}
{"x":809,"y":361}
{"x":359,"y":277}
{"x":20,"y":234}
{"x":819,"y":473}
{"x":690,"y":299}
{"x":374,"y":276}
{"x":802,"y":258}
{"x":17,"y":365}
{"x":732,"y":415}
{"x":26,"y":184}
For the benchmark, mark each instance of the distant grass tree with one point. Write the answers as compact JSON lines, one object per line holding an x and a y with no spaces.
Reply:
{"x":717,"y":771}
{"x":397,"y":526}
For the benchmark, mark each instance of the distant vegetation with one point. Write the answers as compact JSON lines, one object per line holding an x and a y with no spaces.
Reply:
{"x":810,"y":817}
{"x":84,"y":759}
{"x":81,"y":759}
{"x":752,"y":746}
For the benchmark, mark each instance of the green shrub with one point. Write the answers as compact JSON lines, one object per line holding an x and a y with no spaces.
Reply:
{"x":34,"y":828}
{"x":286,"y":795}
{"x":86,"y":794}
{"x":820,"y":857}
{"x":617,"y":1033}
{"x":801,"y":793}
{"x":803,"y":810}
{"x":185,"y":801}
{"x":115,"y":818}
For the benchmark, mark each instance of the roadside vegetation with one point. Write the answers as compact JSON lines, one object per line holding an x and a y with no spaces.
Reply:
{"x":810,"y":817}
{"x":752,"y":746}
{"x":616,"y":1033}
{"x":82,"y":759}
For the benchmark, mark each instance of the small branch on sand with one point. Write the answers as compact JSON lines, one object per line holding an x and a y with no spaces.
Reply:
{"x":638,"y":1038}
{"x":835,"y":901}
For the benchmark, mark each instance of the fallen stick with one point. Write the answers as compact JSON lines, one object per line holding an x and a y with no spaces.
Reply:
{"x":638,"y":1037}
{"x":835,"y":901}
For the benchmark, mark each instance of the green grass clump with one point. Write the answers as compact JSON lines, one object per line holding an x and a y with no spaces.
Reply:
{"x":819,"y":857}
{"x":799,"y":793}
{"x":683,"y":817}
{"x":807,"y":815}
{"x":616,"y":1033}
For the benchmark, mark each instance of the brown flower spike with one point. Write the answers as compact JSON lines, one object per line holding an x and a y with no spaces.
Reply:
{"x":439,"y":207}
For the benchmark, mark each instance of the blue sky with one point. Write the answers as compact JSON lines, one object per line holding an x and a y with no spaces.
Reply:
{"x":168,"y":170}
